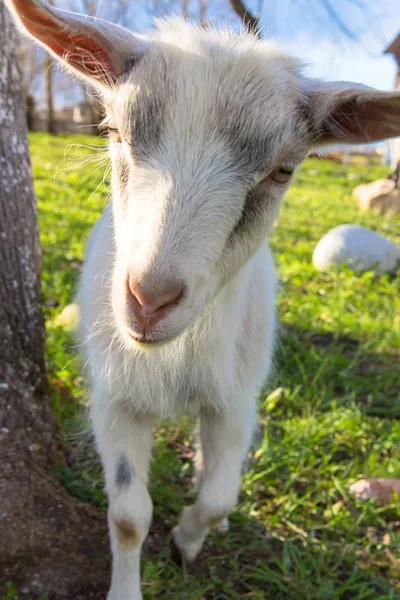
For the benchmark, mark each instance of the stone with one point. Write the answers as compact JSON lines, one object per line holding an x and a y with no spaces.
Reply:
{"x":380,"y":196}
{"x":358,"y":248}
{"x":385,"y":490}
{"x":68,"y":318}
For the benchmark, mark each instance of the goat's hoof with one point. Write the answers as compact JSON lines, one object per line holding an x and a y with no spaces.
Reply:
{"x":189,"y":550}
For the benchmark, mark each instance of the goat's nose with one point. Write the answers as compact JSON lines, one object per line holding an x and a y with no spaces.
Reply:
{"x":150,"y":307}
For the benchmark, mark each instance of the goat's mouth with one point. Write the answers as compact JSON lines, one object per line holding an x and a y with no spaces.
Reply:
{"x":145,"y":342}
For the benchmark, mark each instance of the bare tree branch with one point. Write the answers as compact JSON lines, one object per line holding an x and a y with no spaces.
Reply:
{"x":358,"y":3}
{"x":203,"y":12}
{"x":89,"y":7}
{"x":329,"y":7}
{"x":252,"y":22}
{"x":337,"y":20}
{"x":30,"y":65}
{"x":184,"y":8}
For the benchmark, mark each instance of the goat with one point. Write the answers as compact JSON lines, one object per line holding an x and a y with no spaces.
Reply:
{"x":177,"y":296}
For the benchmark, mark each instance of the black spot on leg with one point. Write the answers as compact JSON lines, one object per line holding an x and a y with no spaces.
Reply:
{"x":253,"y":207}
{"x":125,"y":473}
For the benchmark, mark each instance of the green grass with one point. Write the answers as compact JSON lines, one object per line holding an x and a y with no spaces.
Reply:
{"x":9,"y":592}
{"x":331,"y":411}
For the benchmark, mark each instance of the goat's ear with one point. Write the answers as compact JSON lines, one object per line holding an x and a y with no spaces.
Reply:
{"x":93,"y":49}
{"x":347,"y":113}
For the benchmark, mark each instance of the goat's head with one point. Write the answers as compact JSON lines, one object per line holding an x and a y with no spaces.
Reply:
{"x":206,"y":129}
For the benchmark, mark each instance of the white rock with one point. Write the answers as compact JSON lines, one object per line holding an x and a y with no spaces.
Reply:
{"x":358,"y":248}
{"x":361,"y":489}
{"x":380,"y":196}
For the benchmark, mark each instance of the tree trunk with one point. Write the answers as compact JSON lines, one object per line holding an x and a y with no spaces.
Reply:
{"x":30,"y":112}
{"x":49,"y":543}
{"x":51,"y":122}
{"x":26,"y":421}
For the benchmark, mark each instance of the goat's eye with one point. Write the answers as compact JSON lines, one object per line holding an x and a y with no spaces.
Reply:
{"x":281,"y":174}
{"x":114,"y":135}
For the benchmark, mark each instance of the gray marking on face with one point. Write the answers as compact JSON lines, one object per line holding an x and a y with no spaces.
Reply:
{"x":259,"y":154}
{"x":255,"y":204}
{"x":125,"y":473}
{"x":250,"y":151}
{"x":146,"y":123}
{"x":251,"y":145}
{"x":146,"y":107}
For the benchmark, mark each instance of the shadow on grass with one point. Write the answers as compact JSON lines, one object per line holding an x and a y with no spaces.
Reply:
{"x":338,"y":369}
{"x":304,"y":539}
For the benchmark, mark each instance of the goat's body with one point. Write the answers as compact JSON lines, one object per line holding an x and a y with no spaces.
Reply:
{"x":222,"y":358}
{"x":214,"y":369}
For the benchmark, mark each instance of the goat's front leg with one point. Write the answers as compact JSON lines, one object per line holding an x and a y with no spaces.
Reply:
{"x":125,"y":444}
{"x":224,"y":444}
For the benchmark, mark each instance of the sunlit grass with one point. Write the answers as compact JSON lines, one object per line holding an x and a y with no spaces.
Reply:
{"x":330,"y":411}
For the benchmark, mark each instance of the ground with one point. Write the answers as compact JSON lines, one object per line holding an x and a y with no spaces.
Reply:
{"x":330,"y":411}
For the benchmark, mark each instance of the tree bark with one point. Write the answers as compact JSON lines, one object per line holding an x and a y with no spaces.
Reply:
{"x":49,"y":542}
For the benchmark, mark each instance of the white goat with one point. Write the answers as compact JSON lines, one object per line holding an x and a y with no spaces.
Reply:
{"x":177,"y":296}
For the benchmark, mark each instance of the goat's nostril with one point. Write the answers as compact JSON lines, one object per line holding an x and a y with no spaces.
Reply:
{"x":150,"y":307}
